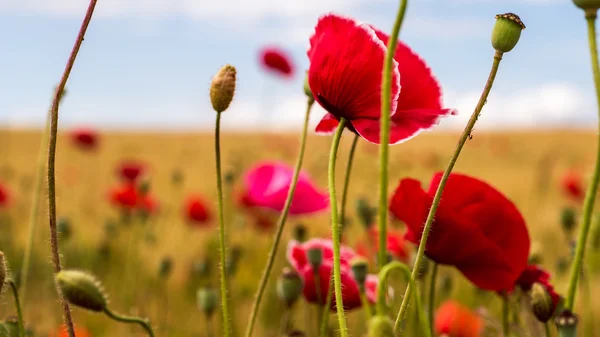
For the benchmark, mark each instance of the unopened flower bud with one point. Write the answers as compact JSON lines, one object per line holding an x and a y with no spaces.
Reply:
{"x":64,"y":228}
{"x":541,"y":303}
{"x":165,"y":267}
{"x":207,"y":299}
{"x":307,"y":90}
{"x":222,"y":88}
{"x":82,"y":289}
{"x":366,"y":213}
{"x":381,"y":326}
{"x":289,"y":286}
{"x":3,"y":271}
{"x":300,"y":233}
{"x":360,"y":269}
{"x":506,"y":32}
{"x":568,"y":219}
{"x":587,"y":4}
{"x":314,"y":255}
{"x":566,"y":323}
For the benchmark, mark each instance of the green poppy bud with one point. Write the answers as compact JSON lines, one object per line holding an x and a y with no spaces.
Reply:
{"x":506,"y":32}
{"x":360,"y":269}
{"x":541,"y":303}
{"x":64,"y":228}
{"x":82,"y":289}
{"x":176,"y":177}
{"x":566,"y":323}
{"x":315,"y":257}
{"x":289,"y":286}
{"x":201,"y":268}
{"x":568,"y":219}
{"x":587,"y":4}
{"x":381,"y":326}
{"x":207,"y":300}
{"x":3,"y":271}
{"x":300,"y":233}
{"x":366,"y":213}
{"x":222,"y":88}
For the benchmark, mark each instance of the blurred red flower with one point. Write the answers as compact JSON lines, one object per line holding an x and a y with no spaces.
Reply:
{"x":296,"y":255}
{"x":85,"y":138}
{"x":531,"y":275}
{"x":196,"y":211}
{"x":4,"y":196}
{"x":277,"y":61}
{"x":346,"y":59}
{"x":454,"y":320}
{"x":79,"y":332}
{"x":573,"y":186}
{"x":476,"y":229}
{"x":396,"y":245}
{"x":130,"y":170}
{"x":127,"y":197}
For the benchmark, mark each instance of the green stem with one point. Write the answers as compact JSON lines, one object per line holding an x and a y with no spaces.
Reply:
{"x":386,"y":106}
{"x":336,"y":228}
{"x":280,"y":224}
{"x":209,"y":329}
{"x":438,"y":194}
{"x":222,"y":239}
{"x":547,"y":328}
{"x":366,"y":305}
{"x":52,"y":161}
{"x":381,"y":295}
{"x":15,"y":291}
{"x":588,"y":310}
{"x":432,"y":284}
{"x":505,"y":316}
{"x":347,"y":182}
{"x":144,"y":323}
{"x":590,"y":197}
{"x":326,"y":314}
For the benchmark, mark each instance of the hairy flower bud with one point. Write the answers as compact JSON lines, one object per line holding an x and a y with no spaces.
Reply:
{"x":63,"y":225}
{"x":222,"y":88}
{"x":289,"y":286}
{"x":506,"y":32}
{"x":207,"y":299}
{"x":314,"y":255}
{"x":3,"y":271}
{"x":307,"y":90}
{"x":360,"y":269}
{"x":82,"y":289}
{"x":541,"y":303}
{"x":381,"y":326}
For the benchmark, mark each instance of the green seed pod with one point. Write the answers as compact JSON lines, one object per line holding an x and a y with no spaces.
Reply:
{"x":82,"y":289}
{"x":360,"y":269}
{"x":568,"y":219}
{"x":300,"y":233}
{"x":506,"y":32}
{"x":366,"y":213}
{"x":381,"y":326}
{"x":566,"y":323}
{"x":587,"y":4}
{"x":289,"y":286}
{"x":201,"y":269}
{"x":207,"y":299}
{"x":222,"y":88}
{"x":64,"y":228}
{"x":541,"y":303}
{"x":314,"y":255}
{"x":3,"y":271}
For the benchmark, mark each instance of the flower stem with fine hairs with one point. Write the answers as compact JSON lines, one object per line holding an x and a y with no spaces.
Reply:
{"x":335,"y":229}
{"x":13,"y":286}
{"x":438,"y":194}
{"x":129,"y":319}
{"x":222,"y":239}
{"x":280,"y":223}
{"x":590,"y":197}
{"x":432,"y":284}
{"x":505,"y":316}
{"x":52,"y":159}
{"x":386,"y":106}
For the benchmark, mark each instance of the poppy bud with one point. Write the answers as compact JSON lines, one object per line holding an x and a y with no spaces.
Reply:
{"x":506,"y":32}
{"x":388,"y":258}
{"x":144,"y":186}
{"x":229,"y":177}
{"x":365,"y":212}
{"x":222,"y":88}
{"x":307,"y":90}
{"x":315,"y":257}
{"x":381,"y":326}
{"x":541,"y":303}
{"x":568,"y":219}
{"x":165,"y":267}
{"x":3,"y":271}
{"x":82,"y":289}
{"x":587,"y":4}
{"x":207,"y":299}
{"x":201,"y":268}
{"x":289,"y":286}
{"x":64,"y":228}
{"x":566,"y":323}
{"x":300,"y":233}
{"x":360,"y":269}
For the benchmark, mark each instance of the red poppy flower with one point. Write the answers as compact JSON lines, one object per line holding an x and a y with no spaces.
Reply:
{"x":346,"y":62}
{"x":124,"y":197}
{"x":573,"y":185}
{"x":277,"y":61}
{"x":147,"y":203}
{"x":296,"y":255}
{"x":531,"y":275}
{"x":63,"y":332}
{"x":396,"y":245}
{"x":476,"y":229}
{"x":4,"y":196}
{"x":85,"y":139}
{"x":454,"y":320}
{"x":130,"y":170}
{"x":196,"y":211}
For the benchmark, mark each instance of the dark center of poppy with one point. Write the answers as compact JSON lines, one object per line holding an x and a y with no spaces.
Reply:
{"x":338,"y":112}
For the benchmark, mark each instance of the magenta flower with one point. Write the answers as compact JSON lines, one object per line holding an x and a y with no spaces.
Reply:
{"x":267,"y":185}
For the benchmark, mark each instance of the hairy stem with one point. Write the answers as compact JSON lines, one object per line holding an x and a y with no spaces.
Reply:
{"x":347,"y":182}
{"x":432,"y":284}
{"x":15,"y":292}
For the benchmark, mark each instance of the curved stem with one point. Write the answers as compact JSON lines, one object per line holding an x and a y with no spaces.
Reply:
{"x":590,"y":197}
{"x":222,"y":239}
{"x":52,"y":159}
{"x":15,"y":291}
{"x":432,"y":284}
{"x":347,"y":182}
{"x":438,"y":194}
{"x":386,"y":106}
{"x":381,"y":307}
{"x":144,"y":323}
{"x":505,"y":316}
{"x":335,"y":228}
{"x":366,"y":305}
{"x":326,"y":314}
{"x":280,"y":224}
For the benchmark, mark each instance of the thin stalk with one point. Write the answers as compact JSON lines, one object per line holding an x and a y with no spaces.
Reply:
{"x":386,"y":106}
{"x":52,"y":161}
{"x":438,"y":194}
{"x":432,"y":284}
{"x":336,"y":228}
{"x":15,"y":291}
{"x":366,"y":305}
{"x":209,"y":328}
{"x":547,"y":329}
{"x":590,"y":197}
{"x":505,"y":316}
{"x":144,"y":323}
{"x":222,"y":240}
{"x":280,"y":224}
{"x":326,"y":313}
{"x":347,"y":182}
{"x":285,"y":320}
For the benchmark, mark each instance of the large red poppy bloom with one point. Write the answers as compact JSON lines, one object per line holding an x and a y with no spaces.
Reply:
{"x":130,"y":170}
{"x":476,"y":229}
{"x":346,"y":62}
{"x":196,"y":211}
{"x":573,"y":186}
{"x":455,"y":320}
{"x":296,"y":255}
{"x":396,"y":245}
{"x":277,"y":61}
{"x":85,"y":138}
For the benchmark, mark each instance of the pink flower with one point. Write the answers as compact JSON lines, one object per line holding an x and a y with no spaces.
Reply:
{"x":267,"y":185}
{"x":296,"y":255}
{"x":277,"y":61}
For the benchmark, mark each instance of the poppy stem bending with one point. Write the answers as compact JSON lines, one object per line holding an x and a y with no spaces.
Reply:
{"x":280,"y":223}
{"x":144,"y":323}
{"x":222,"y":238}
{"x":590,"y":197}
{"x":432,"y":287}
{"x":438,"y":194}
{"x":381,"y":294}
{"x":386,"y":106}
{"x":335,"y":229}
{"x":52,"y":160}
{"x":15,"y":291}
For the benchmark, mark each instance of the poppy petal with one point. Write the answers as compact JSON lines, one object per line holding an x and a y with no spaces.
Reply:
{"x":327,"y":125}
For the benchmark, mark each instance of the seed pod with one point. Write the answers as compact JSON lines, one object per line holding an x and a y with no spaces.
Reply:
{"x":207,"y":299}
{"x":289,"y":286}
{"x":314,"y":255}
{"x":222,"y":88}
{"x":568,"y":219}
{"x":506,"y":32}
{"x":300,"y":233}
{"x":64,"y":228}
{"x":360,"y":269}
{"x":381,"y":326}
{"x":82,"y":289}
{"x":587,"y":4}
{"x":566,"y":323}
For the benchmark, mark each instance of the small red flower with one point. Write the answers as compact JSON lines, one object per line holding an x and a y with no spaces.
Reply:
{"x":277,"y":61}
{"x":454,"y":320}
{"x":85,"y":138}
{"x":573,"y":185}
{"x":296,"y":255}
{"x":130,"y":170}
{"x":63,"y":332}
{"x":4,"y":196}
{"x":476,"y":229}
{"x":396,"y":245}
{"x":346,"y":62}
{"x":196,"y":211}
{"x":531,"y":275}
{"x":124,"y":197}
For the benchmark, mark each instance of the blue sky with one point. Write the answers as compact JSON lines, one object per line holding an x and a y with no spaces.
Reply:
{"x":148,"y":63}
